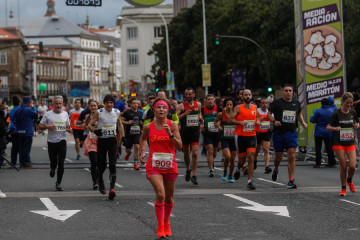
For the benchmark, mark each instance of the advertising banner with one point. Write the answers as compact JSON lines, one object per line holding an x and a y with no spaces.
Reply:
{"x":206,"y":75}
{"x":170,"y":82}
{"x":238,"y":80}
{"x":319,"y":56}
{"x":78,"y":89}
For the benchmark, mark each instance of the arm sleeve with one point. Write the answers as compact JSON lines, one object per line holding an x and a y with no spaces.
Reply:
{"x":44,"y":119}
{"x":333,"y":118}
{"x":313,"y":118}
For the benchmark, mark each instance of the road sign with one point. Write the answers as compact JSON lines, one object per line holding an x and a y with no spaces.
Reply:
{"x":206,"y":75}
{"x":170,"y":82}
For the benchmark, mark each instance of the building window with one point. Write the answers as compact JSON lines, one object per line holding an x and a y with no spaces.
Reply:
{"x":3,"y":57}
{"x":4,"y":81}
{"x":132,"y":33}
{"x":133,"y":57}
{"x":157,"y":32}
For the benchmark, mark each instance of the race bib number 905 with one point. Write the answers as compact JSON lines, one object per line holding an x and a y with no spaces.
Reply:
{"x":162,"y":160}
{"x":289,"y":116}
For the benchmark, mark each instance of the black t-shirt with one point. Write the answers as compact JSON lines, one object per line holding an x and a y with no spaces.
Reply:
{"x":286,"y":113}
{"x":344,"y":137}
{"x":135,"y":127}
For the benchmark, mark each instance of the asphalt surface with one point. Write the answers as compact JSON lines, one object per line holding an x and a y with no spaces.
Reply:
{"x":212,"y":210}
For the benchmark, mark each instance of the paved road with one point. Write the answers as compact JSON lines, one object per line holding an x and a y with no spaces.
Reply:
{"x":211,"y":210}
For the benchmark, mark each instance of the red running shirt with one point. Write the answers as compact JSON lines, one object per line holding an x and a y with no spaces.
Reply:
{"x":162,"y":151}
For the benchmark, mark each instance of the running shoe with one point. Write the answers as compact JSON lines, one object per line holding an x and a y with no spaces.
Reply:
{"x":224,"y":176}
{"x":231,"y":179}
{"x":212,"y":173}
{"x":58,"y":187}
{"x":126,"y":158}
{"x":267,"y":170}
{"x":187,"y":175}
{"x":102,"y":186}
{"x":244,"y":170}
{"x":167,"y":229}
{"x":351,"y":186}
{"x":95,"y":186}
{"x":250,"y":186}
{"x":291,"y":184}
{"x":78,"y":157}
{"x":2,"y":195}
{"x":52,"y":173}
{"x":237,"y":174}
{"x":194,"y":180}
{"x":343,"y":192}
{"x":136,"y":167}
{"x":112,"y":194}
{"x":161,"y":232}
{"x":255,"y":164}
{"x":275,"y":175}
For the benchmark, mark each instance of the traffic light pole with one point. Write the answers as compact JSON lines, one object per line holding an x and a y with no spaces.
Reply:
{"x":205,"y":45}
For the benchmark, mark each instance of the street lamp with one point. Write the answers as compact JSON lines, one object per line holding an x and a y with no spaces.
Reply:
{"x":205,"y":45}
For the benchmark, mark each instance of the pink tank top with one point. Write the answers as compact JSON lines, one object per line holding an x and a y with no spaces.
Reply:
{"x":162,"y":151}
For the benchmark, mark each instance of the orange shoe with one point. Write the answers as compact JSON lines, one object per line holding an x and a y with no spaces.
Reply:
{"x":136,"y":167}
{"x":351,"y":186}
{"x":126,"y":158}
{"x":161,"y":232}
{"x":167,"y":229}
{"x":343,"y":192}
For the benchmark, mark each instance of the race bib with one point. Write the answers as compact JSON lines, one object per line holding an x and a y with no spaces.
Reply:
{"x":109,"y":130}
{"x":212,"y":127}
{"x":192,"y":120}
{"x":60,"y":126}
{"x":289,"y":116}
{"x":346,"y":134}
{"x":162,"y":160}
{"x":93,"y":135}
{"x":135,"y":130}
{"x":250,"y":126}
{"x":265,"y":125}
{"x":229,"y":130}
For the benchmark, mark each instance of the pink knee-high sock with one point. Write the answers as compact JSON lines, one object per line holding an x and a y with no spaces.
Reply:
{"x":168,"y":209}
{"x":160,"y":211}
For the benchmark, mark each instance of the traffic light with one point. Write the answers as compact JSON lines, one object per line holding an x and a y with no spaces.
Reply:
{"x":217,"y":41}
{"x":270,"y":89}
{"x":157,"y":89}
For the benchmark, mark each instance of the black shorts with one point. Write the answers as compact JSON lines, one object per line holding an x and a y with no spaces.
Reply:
{"x":190,"y":139}
{"x":228,"y":143}
{"x":245,"y":144}
{"x":79,"y":134}
{"x":132,"y":140}
{"x":214,"y":140}
{"x":263,"y":137}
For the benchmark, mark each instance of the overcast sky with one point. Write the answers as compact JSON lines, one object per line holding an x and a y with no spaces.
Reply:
{"x":99,"y":16}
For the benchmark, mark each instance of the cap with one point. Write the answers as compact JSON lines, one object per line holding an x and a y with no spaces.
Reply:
{"x":27,"y":99}
{"x":109,"y":97}
{"x":331,"y":100}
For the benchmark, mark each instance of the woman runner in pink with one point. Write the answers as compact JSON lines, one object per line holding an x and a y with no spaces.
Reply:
{"x":161,"y":166}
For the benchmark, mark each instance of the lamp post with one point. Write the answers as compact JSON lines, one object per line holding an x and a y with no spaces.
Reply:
{"x":167,"y":45}
{"x":205,"y":45}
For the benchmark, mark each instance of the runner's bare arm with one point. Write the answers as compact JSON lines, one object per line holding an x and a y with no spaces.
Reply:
{"x":180,"y":109}
{"x":201,"y":120}
{"x":143,"y":138}
{"x":235,"y":112}
{"x":93,"y":120}
{"x":176,"y":140}
{"x":217,"y":121}
{"x":302,"y":121}
{"x":120,"y":133}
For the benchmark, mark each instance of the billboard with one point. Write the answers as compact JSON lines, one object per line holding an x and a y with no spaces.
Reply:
{"x":319,"y":56}
{"x":78,"y":89}
{"x":238,"y":80}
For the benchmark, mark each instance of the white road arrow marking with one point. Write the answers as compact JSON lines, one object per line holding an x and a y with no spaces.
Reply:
{"x":54,"y":212}
{"x":277,"y":210}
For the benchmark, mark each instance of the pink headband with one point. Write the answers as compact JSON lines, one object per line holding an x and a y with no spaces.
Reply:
{"x":161,"y":102}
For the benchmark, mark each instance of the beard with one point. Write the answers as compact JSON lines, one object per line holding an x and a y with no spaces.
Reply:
{"x":247,"y":100}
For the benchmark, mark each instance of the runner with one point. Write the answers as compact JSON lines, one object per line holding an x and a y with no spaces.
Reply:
{"x":245,"y":117}
{"x":109,"y":122}
{"x":57,"y":122}
{"x":287,"y":113}
{"x":132,"y":119}
{"x":78,"y":130}
{"x":190,"y":116}
{"x":263,"y":135}
{"x":344,"y":121}
{"x":91,"y":144}
{"x":161,"y":166}
{"x":227,"y":138}
{"x":210,"y":130}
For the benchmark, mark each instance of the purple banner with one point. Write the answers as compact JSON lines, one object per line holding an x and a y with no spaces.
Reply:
{"x":238,"y":80}
{"x":328,"y":88}
{"x":320,"y":16}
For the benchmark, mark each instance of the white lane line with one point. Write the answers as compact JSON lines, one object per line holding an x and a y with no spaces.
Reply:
{"x":178,"y":159}
{"x":265,"y":180}
{"x":153,"y":204}
{"x":118,"y":185}
{"x":44,"y":148}
{"x":66,"y":159}
{"x":181,"y":175}
{"x":221,"y":169}
{"x":87,"y":169}
{"x":350,"y":202}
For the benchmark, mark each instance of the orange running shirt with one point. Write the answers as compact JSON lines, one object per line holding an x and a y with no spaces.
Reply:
{"x":248,"y":115}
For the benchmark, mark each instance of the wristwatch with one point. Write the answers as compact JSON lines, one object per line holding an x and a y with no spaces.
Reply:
{"x":172,"y":135}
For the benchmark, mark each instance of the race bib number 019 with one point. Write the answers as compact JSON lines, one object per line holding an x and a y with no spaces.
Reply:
{"x":135,"y":130}
{"x":60,"y":126}
{"x":346,"y":134}
{"x":192,"y":120}
{"x":289,"y":116}
{"x":109,"y":130}
{"x":250,"y":126}
{"x":229,"y":130}
{"x":162,"y":160}
{"x":212,"y":127}
{"x":265,"y":125}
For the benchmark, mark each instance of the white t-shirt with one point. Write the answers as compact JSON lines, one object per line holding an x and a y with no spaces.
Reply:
{"x":42,"y":110}
{"x":108,"y":121}
{"x":61,"y":121}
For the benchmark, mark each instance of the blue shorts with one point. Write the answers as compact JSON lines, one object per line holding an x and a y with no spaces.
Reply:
{"x":286,"y":141}
{"x":214,"y":140}
{"x":228,"y":143}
